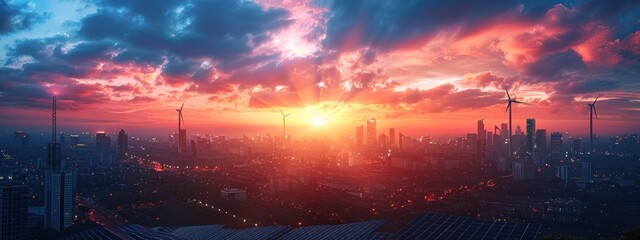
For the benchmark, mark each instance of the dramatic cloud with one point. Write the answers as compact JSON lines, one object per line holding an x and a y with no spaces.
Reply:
{"x":389,"y":59}
{"x":18,"y":16}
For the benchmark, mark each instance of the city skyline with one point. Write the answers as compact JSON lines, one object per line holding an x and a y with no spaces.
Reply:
{"x":331,"y":63}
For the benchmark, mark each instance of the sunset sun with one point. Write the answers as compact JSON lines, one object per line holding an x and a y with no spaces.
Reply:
{"x":319,"y":121}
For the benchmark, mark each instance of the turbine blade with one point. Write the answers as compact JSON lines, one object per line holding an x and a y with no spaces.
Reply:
{"x":594,"y":102}
{"x":505,"y":89}
{"x":508,"y":106}
{"x":181,"y":107}
{"x":516,"y":101}
{"x":281,"y":111}
{"x":594,"y":111}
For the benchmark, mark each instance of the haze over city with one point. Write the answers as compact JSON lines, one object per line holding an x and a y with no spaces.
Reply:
{"x":319,"y":119}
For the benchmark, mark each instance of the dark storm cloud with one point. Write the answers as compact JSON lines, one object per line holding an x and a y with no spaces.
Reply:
{"x":137,"y":56}
{"x":73,"y":97}
{"x":585,"y":86}
{"x":223,"y":29}
{"x":552,"y":66}
{"x":25,"y":95}
{"x":17,"y":16}
{"x":385,"y":24}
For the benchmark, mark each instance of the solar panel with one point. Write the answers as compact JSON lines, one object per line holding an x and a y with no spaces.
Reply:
{"x":140,"y":233}
{"x":443,"y":226}
{"x":425,"y":226}
{"x":357,"y":230}
{"x":97,"y":233}
{"x":273,"y":232}
{"x":378,"y":236}
{"x":205,"y":232}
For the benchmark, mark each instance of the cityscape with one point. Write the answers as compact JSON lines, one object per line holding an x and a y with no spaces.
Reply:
{"x":306,"y":119}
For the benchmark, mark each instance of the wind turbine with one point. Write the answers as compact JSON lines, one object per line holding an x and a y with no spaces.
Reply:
{"x":509,"y":101}
{"x":284,"y":125}
{"x":180,"y":118}
{"x":180,"y":122}
{"x":592,"y":110}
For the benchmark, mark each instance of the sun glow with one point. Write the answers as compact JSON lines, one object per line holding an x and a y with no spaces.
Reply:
{"x":318,"y":121}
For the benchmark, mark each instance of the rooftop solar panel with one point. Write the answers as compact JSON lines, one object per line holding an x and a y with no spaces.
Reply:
{"x":97,"y":233}
{"x":273,"y":232}
{"x":357,"y":230}
{"x":378,"y":236}
{"x":205,"y":232}
{"x":443,"y":226}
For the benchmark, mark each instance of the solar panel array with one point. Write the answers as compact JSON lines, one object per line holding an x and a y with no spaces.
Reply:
{"x":138,"y":232}
{"x":357,"y":230}
{"x":263,"y":233}
{"x":94,"y":234}
{"x":426,"y":226}
{"x":442,"y":226}
{"x":378,"y":236}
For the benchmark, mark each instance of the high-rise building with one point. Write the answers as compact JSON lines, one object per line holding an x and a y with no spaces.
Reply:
{"x":541,"y":141}
{"x":531,"y":130}
{"x":577,"y":145}
{"x":194,"y":151}
{"x":392,"y":136}
{"x":481,"y":143}
{"x":383,"y":140}
{"x":400,"y":141}
{"x":13,"y":210}
{"x":21,"y":138}
{"x":504,"y":130}
{"x":523,"y":170}
{"x":74,"y":139}
{"x":103,"y":141}
{"x":59,"y":185}
{"x":58,"y":199}
{"x":182,"y":141}
{"x":371,"y":132}
{"x":586,"y":171}
{"x":359,"y":135}
{"x":472,"y":142}
{"x":556,"y":145}
{"x":481,"y":131}
{"x":123,"y":142}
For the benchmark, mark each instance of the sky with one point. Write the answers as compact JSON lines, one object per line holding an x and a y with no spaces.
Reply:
{"x":423,"y":67}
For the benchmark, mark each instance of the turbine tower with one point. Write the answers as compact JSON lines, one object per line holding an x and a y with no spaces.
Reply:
{"x":53,"y":120}
{"x":180,"y":119}
{"x":284,"y":125}
{"x":509,"y":101}
{"x":182,"y":134}
{"x":592,"y":110}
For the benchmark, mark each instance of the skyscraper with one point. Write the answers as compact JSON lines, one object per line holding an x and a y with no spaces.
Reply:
{"x":577,"y":145}
{"x":123,"y":142}
{"x":13,"y":210}
{"x":481,"y":131}
{"x":541,"y":141}
{"x":556,"y":145}
{"x":359,"y":135}
{"x":531,"y":130}
{"x":182,"y":141}
{"x":103,"y":141}
{"x":482,"y":141}
{"x":58,"y":195}
{"x":371,"y":132}
{"x":504,"y":130}
{"x":392,"y":136}
{"x":383,"y":140}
